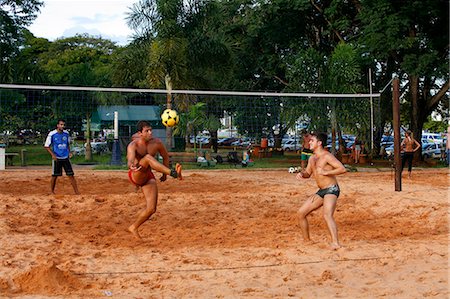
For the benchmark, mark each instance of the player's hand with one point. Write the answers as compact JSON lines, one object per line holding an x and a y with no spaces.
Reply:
{"x":70,"y":155}
{"x":135,"y":168}
{"x":303,"y":175}
{"x":163,"y":177}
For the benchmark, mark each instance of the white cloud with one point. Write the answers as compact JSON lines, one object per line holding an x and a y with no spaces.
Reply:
{"x":64,"y":18}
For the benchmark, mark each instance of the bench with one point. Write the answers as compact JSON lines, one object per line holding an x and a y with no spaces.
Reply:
{"x":9,"y":158}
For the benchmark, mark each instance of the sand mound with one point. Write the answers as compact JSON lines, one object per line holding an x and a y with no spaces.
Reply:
{"x":3,"y":285}
{"x":47,"y":279}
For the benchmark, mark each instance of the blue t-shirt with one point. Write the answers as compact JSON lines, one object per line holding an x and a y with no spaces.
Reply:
{"x":59,"y":143}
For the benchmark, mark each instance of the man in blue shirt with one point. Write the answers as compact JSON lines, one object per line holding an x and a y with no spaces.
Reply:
{"x":58,"y":146}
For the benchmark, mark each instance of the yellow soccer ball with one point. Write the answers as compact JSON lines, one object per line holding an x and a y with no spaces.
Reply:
{"x":170,"y":118}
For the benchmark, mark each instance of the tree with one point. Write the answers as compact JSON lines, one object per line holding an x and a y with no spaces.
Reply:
{"x":15,"y":15}
{"x":410,"y":38}
{"x":180,"y":53}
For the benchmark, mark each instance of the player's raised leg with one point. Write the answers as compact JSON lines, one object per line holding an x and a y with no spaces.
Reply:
{"x":150,"y":161}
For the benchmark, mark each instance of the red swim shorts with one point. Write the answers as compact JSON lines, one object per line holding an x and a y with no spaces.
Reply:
{"x":150,"y":176}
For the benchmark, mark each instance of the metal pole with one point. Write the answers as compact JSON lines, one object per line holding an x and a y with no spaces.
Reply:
{"x":116,"y":157}
{"x":396,"y":125}
{"x":371,"y":111}
{"x":168,"y":81}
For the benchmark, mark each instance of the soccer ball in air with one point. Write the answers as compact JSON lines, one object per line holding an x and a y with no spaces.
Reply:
{"x":170,"y":118}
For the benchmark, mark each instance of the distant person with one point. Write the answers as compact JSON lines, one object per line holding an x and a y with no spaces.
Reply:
{"x":141,"y":152}
{"x":409,"y":146}
{"x":357,"y":149}
{"x":57,"y":145}
{"x":324,"y":166}
{"x":447,"y":146}
{"x":306,"y":152}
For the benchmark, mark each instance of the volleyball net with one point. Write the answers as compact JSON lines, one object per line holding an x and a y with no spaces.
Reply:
{"x":207,"y":118}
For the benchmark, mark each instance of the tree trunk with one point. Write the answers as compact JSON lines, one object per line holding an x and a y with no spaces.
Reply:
{"x":416,"y":113}
{"x":213,"y":140}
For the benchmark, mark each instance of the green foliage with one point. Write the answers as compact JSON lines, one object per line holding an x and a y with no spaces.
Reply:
{"x":435,"y":126}
{"x":81,"y":60}
{"x":15,"y":15}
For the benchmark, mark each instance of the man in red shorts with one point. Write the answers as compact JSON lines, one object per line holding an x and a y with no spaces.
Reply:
{"x":141,"y":160}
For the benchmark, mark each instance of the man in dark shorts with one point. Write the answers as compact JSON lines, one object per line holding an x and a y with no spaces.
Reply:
{"x":306,"y":151}
{"x":324,"y":166}
{"x":58,"y":146}
{"x":141,"y":160}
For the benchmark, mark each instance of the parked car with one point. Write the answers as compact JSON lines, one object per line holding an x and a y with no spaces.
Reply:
{"x":431,"y":150}
{"x":336,"y":144}
{"x":242,"y":142}
{"x":387,"y":140}
{"x":431,"y":138}
{"x":348,"y":138}
{"x":291,"y":145}
{"x":390,"y":150}
{"x":226,"y":141}
{"x":200,"y":139}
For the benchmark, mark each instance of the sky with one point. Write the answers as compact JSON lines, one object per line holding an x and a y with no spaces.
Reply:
{"x":65,"y":18}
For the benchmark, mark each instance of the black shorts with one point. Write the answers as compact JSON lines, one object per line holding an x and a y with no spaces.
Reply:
{"x":334,"y":190}
{"x":59,"y":164}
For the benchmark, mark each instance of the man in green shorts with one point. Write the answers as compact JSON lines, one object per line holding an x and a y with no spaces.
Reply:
{"x":306,"y":151}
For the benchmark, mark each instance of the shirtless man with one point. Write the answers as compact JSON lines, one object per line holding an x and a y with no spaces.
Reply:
{"x":141,"y":160}
{"x":306,"y":151}
{"x":324,"y":166}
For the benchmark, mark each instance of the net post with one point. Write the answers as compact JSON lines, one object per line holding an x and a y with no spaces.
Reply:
{"x":371,"y":115}
{"x":116,"y":153}
{"x":396,"y":125}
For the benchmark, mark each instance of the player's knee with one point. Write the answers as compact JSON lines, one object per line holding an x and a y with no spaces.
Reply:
{"x":302,"y":214}
{"x":149,"y":157}
{"x":328,"y":217}
{"x":150,"y":211}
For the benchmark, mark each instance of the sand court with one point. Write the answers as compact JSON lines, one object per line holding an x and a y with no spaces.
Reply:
{"x":222,"y":234}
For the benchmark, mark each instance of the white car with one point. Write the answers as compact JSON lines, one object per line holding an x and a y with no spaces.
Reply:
{"x":431,"y":150}
{"x":389,"y":151}
{"x":432,"y":138}
{"x":291,"y":145}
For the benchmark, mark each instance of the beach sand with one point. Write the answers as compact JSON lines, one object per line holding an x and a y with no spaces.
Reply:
{"x":222,"y":234}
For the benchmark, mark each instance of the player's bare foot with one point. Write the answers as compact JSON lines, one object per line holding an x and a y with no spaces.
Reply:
{"x":309,"y":242}
{"x":134,"y":231}
{"x":178,"y":169}
{"x":335,"y":246}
